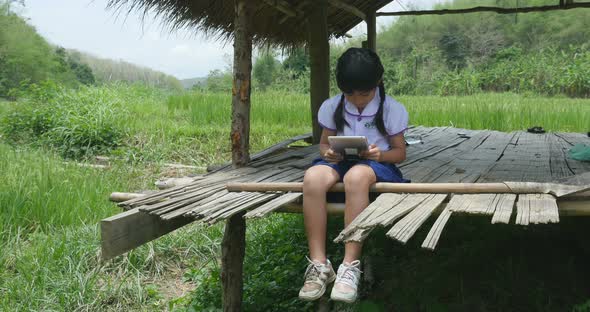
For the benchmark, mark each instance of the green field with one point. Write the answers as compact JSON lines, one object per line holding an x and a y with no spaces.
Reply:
{"x":50,"y":208}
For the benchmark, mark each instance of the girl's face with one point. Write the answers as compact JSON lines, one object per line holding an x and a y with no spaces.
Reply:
{"x":360,"y":99}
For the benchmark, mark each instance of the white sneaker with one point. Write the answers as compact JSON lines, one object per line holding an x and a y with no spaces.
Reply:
{"x":346,"y":287}
{"x":317,"y":277}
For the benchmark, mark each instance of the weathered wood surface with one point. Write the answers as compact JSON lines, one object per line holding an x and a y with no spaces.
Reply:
{"x":448,"y":155}
{"x":536,"y":209}
{"x":132,"y":228}
{"x":504,"y":209}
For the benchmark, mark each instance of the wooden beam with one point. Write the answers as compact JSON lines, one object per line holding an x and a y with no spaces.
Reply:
{"x":319,"y":53}
{"x":233,"y":249}
{"x":298,"y":12}
{"x":282,"y":6}
{"x":349,"y":8}
{"x":371,"y":22}
{"x":131,"y":229}
{"x":240,"y":127}
{"x":566,"y":6}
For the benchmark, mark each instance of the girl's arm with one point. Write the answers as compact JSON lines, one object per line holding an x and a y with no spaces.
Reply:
{"x":325,"y":150}
{"x":396,"y":154}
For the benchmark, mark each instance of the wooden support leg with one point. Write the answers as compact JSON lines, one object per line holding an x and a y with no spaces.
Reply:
{"x":233,"y":249}
{"x":319,"y":59}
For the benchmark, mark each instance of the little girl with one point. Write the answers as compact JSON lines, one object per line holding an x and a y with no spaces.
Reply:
{"x":362,"y":109}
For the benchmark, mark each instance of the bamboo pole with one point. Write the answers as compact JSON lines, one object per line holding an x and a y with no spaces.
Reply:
{"x":567,"y":208}
{"x":460,"y":188}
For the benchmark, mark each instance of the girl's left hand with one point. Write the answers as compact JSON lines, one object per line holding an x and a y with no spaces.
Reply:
{"x":373,"y":153}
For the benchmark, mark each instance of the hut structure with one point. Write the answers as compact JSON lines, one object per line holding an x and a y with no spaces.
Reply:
{"x":458,"y":170}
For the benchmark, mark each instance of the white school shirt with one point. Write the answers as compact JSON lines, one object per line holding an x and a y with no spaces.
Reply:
{"x":395,"y":118}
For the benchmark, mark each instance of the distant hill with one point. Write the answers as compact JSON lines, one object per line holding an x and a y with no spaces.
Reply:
{"x":189,"y":83}
{"x":107,"y":70}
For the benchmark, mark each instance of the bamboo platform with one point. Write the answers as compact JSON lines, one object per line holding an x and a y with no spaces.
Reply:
{"x":447,"y":155}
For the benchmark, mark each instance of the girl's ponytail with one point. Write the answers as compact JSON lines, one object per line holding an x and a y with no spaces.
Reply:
{"x":379,"y":122}
{"x":339,"y":115}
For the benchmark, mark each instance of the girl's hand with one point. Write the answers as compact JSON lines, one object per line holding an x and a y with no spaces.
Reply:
{"x":332,"y":157}
{"x":373,"y":153}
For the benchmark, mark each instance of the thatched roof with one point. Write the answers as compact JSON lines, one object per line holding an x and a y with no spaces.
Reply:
{"x":279,"y":22}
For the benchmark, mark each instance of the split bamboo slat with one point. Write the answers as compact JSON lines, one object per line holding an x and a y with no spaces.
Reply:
{"x":434,"y":234}
{"x":406,"y":227}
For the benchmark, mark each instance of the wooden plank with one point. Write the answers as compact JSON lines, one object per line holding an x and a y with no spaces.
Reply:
{"x":542,"y":208}
{"x":456,"y":164}
{"x":130,"y":229}
{"x":435,"y":232}
{"x":404,"y":229}
{"x":523,"y":210}
{"x":474,"y":204}
{"x":527,"y":158}
{"x":272,"y":205}
{"x":504,"y":208}
{"x":558,"y":155}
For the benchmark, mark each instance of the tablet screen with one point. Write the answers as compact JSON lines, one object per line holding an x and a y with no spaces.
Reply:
{"x":348,"y":145}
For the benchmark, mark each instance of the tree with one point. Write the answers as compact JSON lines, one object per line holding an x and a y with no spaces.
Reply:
{"x":265,"y":69}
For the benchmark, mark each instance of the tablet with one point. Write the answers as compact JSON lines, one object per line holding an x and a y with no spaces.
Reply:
{"x":348,"y":145}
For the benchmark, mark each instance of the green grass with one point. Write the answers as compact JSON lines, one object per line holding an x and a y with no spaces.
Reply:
{"x":499,"y":111}
{"x":41,"y":191}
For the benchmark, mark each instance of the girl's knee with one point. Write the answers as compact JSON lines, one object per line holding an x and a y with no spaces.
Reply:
{"x":317,"y":180}
{"x":358,"y":179}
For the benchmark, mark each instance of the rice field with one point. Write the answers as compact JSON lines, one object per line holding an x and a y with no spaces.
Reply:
{"x":495,"y":111}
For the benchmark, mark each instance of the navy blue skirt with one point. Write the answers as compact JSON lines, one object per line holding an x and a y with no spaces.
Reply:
{"x":385,"y":172}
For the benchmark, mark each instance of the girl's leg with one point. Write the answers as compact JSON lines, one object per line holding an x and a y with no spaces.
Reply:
{"x":316,"y":182}
{"x":356,"y":185}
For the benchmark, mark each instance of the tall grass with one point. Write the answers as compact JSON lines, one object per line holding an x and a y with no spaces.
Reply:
{"x":41,"y":192}
{"x":495,"y":111}
{"x":499,"y":111}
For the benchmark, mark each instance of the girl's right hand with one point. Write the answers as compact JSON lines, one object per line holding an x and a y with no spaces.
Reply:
{"x":332,"y":157}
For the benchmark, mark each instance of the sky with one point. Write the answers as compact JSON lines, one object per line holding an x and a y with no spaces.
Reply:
{"x":86,"y":25}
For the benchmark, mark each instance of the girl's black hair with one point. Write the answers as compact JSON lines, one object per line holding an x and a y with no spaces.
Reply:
{"x":359,"y":69}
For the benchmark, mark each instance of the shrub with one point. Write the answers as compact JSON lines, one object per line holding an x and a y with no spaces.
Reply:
{"x":76,"y":123}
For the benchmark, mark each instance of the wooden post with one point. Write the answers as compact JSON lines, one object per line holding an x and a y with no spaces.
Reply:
{"x":233,"y":246}
{"x":319,"y":53}
{"x":233,"y":249}
{"x":371,"y":30}
{"x":240,"y":125}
